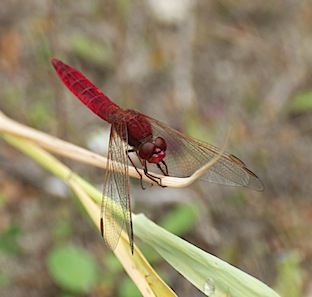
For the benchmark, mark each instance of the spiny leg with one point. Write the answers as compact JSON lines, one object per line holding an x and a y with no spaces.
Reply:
{"x":136,"y":169}
{"x":152,"y":177}
{"x":155,"y":179}
{"x":164,"y":172}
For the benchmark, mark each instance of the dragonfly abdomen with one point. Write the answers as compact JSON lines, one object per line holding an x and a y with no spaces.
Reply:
{"x":85,"y":90}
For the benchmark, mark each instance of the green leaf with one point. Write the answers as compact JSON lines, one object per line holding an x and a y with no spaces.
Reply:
{"x":66,"y":295}
{"x":92,"y":50}
{"x":302,"y":102}
{"x":5,"y":280}
{"x":2,"y":200}
{"x":40,"y":113}
{"x":290,"y":275}
{"x":8,"y":240}
{"x":112,"y":263}
{"x":209,"y":274}
{"x":181,"y":219}
{"x":128,"y":289}
{"x":61,"y":229}
{"x":72,"y":268}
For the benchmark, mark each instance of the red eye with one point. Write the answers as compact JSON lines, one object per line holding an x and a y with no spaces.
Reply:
{"x":146,"y":150}
{"x":161,"y":143}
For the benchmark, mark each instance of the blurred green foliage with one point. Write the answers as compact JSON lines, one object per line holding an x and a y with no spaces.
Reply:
{"x":290,"y":275}
{"x":302,"y":102}
{"x":4,"y":280}
{"x":128,"y":289}
{"x":112,"y":263}
{"x":2,"y":200}
{"x":72,"y":268}
{"x":92,"y":51}
{"x":8,"y":240}
{"x":61,"y":229}
{"x":40,"y":114}
{"x":181,"y":219}
{"x":14,"y":97}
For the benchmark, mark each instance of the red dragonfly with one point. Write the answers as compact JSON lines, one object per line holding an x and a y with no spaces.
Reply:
{"x":155,"y":145}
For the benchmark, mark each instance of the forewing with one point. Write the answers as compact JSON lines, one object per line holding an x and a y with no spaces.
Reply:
{"x":116,"y":211}
{"x":185,"y":155}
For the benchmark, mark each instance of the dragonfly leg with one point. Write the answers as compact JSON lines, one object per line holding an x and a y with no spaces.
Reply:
{"x":155,"y":179}
{"x":165,"y":170}
{"x":136,"y":169}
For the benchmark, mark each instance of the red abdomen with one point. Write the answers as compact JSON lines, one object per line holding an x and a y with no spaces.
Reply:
{"x":85,"y":90}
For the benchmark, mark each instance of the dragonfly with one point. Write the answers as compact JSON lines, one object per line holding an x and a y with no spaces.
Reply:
{"x":156,"y":147}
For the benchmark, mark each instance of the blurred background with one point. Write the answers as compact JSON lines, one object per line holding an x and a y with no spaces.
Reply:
{"x":201,"y":67}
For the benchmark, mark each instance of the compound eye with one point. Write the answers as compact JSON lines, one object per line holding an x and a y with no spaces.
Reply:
{"x":161,"y":143}
{"x":146,"y":150}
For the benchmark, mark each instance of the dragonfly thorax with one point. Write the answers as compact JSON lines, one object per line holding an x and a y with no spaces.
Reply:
{"x":138,"y":128}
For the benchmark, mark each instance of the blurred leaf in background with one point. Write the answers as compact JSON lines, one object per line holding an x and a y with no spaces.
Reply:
{"x":290,"y":275}
{"x":8,"y":240}
{"x":92,"y":50}
{"x":181,"y":219}
{"x":302,"y":102}
{"x":72,"y":268}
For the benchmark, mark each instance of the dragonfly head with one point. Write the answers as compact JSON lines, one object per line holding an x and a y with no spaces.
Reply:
{"x":153,"y":151}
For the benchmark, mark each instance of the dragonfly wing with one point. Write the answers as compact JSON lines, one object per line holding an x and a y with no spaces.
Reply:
{"x":185,"y":155}
{"x":115,"y":210}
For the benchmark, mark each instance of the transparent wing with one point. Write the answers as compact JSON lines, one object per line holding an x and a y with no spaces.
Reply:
{"x":185,"y":155}
{"x":116,"y":211}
